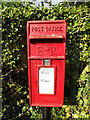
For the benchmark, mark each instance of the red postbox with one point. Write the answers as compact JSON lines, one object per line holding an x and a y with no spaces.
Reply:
{"x":46,"y":41}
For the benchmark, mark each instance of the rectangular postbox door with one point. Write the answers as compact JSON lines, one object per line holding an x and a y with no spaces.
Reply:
{"x":46,"y":41}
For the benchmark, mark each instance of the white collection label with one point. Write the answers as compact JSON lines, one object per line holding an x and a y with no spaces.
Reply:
{"x":46,"y":80}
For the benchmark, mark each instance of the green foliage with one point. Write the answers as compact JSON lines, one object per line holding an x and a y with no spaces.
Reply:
{"x":14,"y":42}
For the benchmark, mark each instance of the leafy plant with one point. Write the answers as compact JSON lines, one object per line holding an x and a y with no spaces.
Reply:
{"x":15,"y":15}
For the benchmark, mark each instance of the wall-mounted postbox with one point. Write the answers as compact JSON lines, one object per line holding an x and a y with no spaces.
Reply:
{"x":46,"y":41}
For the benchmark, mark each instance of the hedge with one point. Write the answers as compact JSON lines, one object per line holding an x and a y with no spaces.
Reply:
{"x":15,"y":102}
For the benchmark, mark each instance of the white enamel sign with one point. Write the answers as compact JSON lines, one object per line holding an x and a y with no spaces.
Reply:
{"x":46,"y":80}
